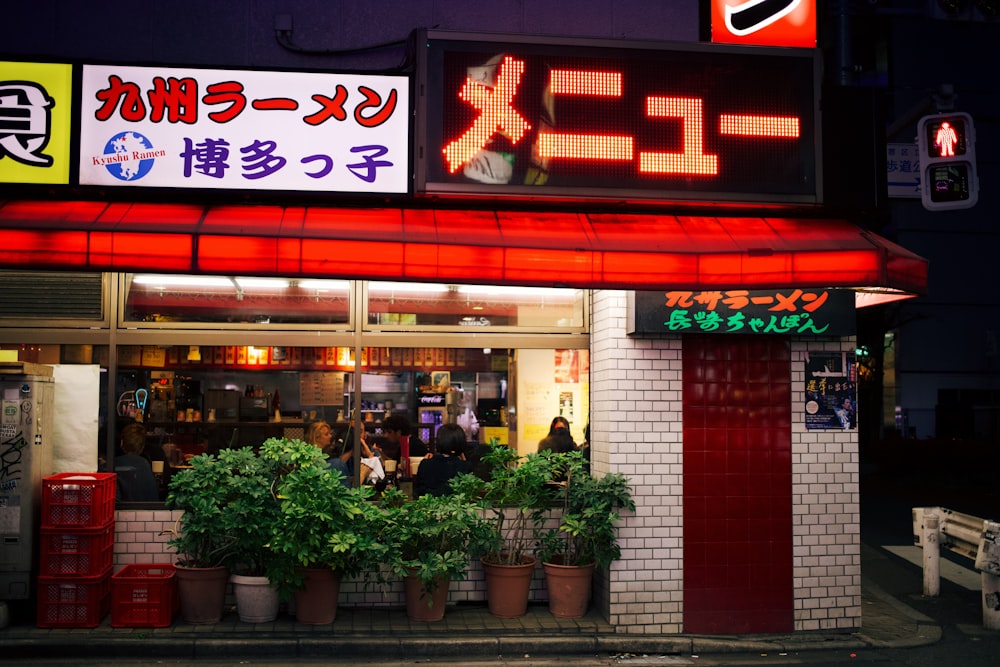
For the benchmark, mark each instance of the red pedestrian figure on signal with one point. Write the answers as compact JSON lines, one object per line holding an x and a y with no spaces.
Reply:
{"x":945,"y":139}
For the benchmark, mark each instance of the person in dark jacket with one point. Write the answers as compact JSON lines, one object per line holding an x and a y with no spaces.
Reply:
{"x":435,"y":472}
{"x":136,"y":482}
{"x":394,"y":428}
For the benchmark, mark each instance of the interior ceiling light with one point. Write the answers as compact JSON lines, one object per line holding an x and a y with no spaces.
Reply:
{"x":325,"y":285}
{"x":251,"y":283}
{"x":388,"y":287}
{"x":501,"y":290}
{"x":161,"y":281}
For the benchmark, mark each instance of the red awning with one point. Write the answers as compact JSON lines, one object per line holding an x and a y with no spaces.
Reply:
{"x":587,"y":250}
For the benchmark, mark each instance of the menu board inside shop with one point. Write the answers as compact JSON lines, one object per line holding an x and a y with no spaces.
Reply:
{"x":808,"y":312}
{"x":321,"y":388}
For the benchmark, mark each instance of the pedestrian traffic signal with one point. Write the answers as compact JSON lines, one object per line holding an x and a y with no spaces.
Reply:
{"x":947,"y":144}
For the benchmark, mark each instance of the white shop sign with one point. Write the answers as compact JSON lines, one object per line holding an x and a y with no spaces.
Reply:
{"x":252,"y":130}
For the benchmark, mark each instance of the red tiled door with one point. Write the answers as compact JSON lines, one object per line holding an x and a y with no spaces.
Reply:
{"x":737,"y":485}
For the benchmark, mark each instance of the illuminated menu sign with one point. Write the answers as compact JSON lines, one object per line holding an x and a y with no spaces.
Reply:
{"x":801,"y":312}
{"x":557,"y":118}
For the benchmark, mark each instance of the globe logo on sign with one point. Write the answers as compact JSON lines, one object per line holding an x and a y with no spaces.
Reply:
{"x":128,"y":156}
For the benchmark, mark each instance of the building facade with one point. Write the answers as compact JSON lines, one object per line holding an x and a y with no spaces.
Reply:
{"x":747,"y":514}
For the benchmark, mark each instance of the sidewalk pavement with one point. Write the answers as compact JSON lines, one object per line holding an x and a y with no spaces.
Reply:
{"x":467,"y":631}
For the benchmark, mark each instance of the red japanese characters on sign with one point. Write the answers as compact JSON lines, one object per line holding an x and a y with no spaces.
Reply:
{"x":678,"y":123}
{"x":497,"y":115}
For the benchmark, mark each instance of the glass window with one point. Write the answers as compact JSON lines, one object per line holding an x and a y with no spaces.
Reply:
{"x":235,"y":300}
{"x":470,"y":307}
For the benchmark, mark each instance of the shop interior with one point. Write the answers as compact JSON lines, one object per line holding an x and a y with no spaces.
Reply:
{"x":201,"y":399}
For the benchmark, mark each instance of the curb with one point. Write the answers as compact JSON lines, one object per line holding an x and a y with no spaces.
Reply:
{"x":413,"y":647}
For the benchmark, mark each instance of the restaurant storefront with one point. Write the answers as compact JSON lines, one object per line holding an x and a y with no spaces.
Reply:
{"x":713,"y":399}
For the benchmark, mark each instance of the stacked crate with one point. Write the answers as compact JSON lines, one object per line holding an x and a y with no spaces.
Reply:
{"x":76,"y":549}
{"x":144,"y":596}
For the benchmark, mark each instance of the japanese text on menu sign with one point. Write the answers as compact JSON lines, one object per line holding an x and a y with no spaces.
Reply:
{"x":682,"y":123}
{"x":810,"y":312}
{"x":225,"y":129}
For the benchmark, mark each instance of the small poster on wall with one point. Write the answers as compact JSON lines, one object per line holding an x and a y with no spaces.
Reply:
{"x":831,"y":391}
{"x":567,"y":366}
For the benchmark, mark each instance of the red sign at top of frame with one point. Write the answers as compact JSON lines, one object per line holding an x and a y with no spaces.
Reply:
{"x":764,"y":22}
{"x":593,"y":119}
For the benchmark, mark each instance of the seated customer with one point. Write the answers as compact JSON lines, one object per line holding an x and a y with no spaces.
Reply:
{"x":136,"y":482}
{"x":321,"y":435}
{"x":344,"y":461}
{"x":394,"y":428}
{"x":435,"y":472}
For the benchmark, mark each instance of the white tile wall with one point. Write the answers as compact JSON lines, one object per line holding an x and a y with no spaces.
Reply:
{"x":826,"y":513}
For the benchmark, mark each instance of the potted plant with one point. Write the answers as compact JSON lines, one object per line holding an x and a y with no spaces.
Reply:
{"x":586,"y":536}
{"x":250,"y":516}
{"x":203,"y":545}
{"x":515,"y":499}
{"x":428,"y":542}
{"x":323,"y":532}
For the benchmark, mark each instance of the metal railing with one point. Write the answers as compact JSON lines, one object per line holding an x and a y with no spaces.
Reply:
{"x":966,"y":535}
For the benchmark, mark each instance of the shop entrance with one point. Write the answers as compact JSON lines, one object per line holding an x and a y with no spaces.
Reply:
{"x":737,"y":485}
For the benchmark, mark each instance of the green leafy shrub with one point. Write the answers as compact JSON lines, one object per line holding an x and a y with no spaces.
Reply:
{"x":321,"y":522}
{"x":203,"y":492}
{"x":430,"y":537}
{"x":519,"y":485}
{"x":586,"y":532}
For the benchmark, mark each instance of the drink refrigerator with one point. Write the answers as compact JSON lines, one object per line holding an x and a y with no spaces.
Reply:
{"x":26,"y":395}
{"x":429,"y":420}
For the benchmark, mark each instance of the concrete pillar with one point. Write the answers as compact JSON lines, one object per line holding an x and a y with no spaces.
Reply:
{"x":932,"y":556}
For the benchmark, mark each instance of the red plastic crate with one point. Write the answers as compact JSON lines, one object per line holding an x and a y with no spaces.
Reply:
{"x":84,"y":552}
{"x":73,"y":602}
{"x":144,"y":596}
{"x":80,"y":499}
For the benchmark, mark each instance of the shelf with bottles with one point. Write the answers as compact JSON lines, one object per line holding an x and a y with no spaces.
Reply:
{"x":184,"y":358}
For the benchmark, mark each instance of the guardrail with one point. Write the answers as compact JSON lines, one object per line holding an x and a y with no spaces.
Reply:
{"x":968,"y":536}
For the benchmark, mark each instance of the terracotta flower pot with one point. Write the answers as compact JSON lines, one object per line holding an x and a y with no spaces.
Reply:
{"x":569,"y":588}
{"x":507,"y":588}
{"x":316,"y":603}
{"x":202,"y":592}
{"x":424,"y":606}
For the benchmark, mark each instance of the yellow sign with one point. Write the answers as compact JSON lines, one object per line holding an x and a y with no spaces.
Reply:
{"x":35,"y":110}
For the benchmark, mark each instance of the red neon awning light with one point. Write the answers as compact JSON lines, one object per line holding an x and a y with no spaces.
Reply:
{"x":615,"y":251}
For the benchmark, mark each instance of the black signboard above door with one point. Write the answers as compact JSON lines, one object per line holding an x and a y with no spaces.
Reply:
{"x":802,"y":312}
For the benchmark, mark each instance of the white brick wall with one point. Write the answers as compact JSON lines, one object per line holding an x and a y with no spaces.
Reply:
{"x":826,"y":513}
{"x":141,"y":536}
{"x":636,"y":429}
